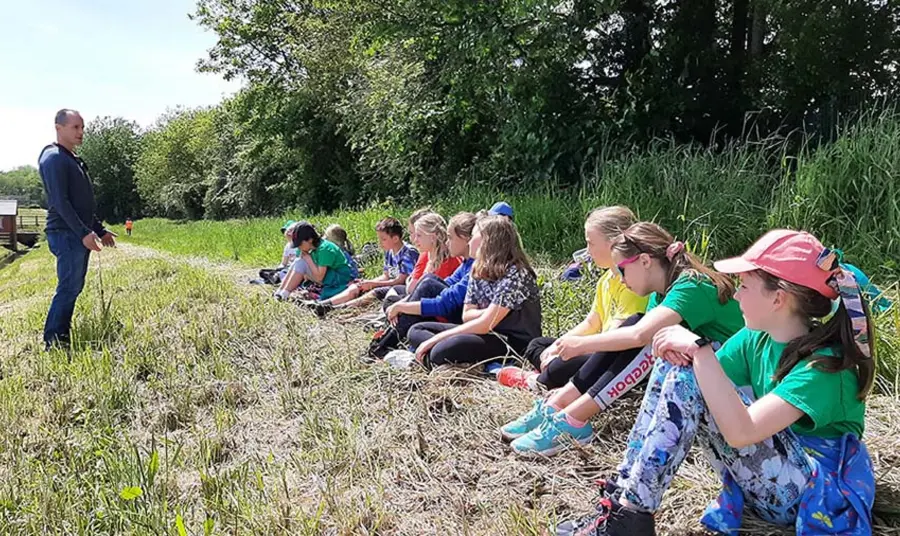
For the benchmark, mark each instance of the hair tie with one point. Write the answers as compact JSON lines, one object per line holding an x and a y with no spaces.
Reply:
{"x":674,"y":249}
{"x":845,"y":283}
{"x":829,"y":260}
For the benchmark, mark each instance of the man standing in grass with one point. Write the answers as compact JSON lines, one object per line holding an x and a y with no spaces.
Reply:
{"x":73,"y":230}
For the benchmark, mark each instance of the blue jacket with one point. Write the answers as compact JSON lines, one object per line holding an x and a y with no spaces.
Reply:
{"x":70,"y":194}
{"x":450,"y":301}
{"x":837,"y":500}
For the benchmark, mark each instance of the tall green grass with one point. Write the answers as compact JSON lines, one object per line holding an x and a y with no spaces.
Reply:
{"x":719,"y":201}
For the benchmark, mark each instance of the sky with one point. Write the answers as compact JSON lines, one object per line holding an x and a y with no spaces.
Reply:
{"x":128,"y":58}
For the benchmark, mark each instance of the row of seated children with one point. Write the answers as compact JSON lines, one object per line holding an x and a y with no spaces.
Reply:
{"x":760,"y":376}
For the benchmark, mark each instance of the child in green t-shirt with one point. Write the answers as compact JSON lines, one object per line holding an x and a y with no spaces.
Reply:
{"x":319,"y":262}
{"x":682,"y":291}
{"x":778,"y":411}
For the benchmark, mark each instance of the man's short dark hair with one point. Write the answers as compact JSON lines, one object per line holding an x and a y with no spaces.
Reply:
{"x":390,"y":226}
{"x":62,"y":116}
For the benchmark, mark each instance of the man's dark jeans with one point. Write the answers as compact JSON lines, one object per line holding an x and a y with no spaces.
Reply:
{"x":71,"y":269}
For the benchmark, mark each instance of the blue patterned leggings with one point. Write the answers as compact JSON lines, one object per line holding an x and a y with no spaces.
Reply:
{"x":771,"y":474}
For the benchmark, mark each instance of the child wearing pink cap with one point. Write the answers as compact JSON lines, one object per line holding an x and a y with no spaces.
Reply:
{"x":778,"y":411}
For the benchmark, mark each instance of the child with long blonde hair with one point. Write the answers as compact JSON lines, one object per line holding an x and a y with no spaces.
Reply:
{"x":502,"y":309}
{"x":613,"y":304}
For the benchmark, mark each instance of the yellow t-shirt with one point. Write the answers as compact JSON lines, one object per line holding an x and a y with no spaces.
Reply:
{"x":614,"y":301}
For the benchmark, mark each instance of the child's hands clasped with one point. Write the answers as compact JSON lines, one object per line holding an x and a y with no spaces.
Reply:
{"x":424,"y":348}
{"x":548,"y":355}
{"x":569,"y":347}
{"x":675,"y":344}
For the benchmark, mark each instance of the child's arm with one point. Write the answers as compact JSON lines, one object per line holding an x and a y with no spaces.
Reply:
{"x":317,"y":272}
{"x":471,"y":312}
{"x":635,"y":336}
{"x":384,"y":281}
{"x":368,"y":284}
{"x":403,"y":307}
{"x":740,"y":426}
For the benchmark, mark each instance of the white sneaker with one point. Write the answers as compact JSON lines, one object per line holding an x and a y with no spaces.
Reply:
{"x":400,"y":358}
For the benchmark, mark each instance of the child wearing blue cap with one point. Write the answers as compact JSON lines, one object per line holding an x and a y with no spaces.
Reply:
{"x":502,"y":208}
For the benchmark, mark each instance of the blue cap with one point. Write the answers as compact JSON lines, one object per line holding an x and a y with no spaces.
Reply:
{"x":501,"y":208}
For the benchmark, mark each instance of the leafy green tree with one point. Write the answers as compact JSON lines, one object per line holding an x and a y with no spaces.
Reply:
{"x":111,"y":147}
{"x":177,"y":163}
{"x":23,"y":183}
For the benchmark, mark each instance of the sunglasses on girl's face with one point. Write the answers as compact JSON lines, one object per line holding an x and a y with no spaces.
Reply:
{"x":620,"y":267}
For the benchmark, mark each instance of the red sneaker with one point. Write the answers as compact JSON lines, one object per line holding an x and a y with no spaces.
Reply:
{"x":515,"y":377}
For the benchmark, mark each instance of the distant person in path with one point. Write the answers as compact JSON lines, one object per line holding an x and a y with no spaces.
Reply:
{"x":73,"y":229}
{"x":129,"y":225}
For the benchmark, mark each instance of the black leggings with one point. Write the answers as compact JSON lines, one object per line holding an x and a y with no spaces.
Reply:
{"x":606,"y":376}
{"x":390,"y":299}
{"x":463,"y":348}
{"x":429,"y":287}
{"x":558,"y":372}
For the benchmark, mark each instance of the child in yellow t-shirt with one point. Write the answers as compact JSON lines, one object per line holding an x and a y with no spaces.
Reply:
{"x":613,"y":303}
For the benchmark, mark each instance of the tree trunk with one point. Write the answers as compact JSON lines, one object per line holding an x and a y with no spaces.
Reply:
{"x":637,"y":15}
{"x":757,"y":29}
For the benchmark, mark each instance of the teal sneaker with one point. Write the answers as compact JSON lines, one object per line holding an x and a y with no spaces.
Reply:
{"x":547,"y":439}
{"x":528,"y":422}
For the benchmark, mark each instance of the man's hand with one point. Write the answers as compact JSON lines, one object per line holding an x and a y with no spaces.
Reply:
{"x":91,"y":241}
{"x":109,"y":239}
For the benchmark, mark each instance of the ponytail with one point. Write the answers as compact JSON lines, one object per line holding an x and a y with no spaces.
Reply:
{"x":653,"y":240}
{"x":336,"y":234}
{"x":837,"y":331}
{"x":434,"y":224}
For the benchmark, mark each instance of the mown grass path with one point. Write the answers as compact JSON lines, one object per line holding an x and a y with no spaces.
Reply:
{"x":193,"y":396}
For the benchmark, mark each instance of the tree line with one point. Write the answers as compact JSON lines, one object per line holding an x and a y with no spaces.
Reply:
{"x":347,"y":101}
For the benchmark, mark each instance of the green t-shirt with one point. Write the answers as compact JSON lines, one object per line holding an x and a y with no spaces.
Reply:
{"x":696,"y":300}
{"x":829,"y":399}
{"x":329,"y":255}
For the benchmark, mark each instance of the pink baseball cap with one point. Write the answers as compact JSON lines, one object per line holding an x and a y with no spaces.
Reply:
{"x":794,"y":256}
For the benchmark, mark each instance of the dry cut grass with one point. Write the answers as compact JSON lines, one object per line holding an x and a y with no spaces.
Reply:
{"x":195,"y":399}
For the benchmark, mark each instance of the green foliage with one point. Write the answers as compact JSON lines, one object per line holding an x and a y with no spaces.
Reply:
{"x":518,"y":93}
{"x":179,"y":163}
{"x":352,"y":102}
{"x":722,"y":200}
{"x":111,"y":148}
{"x":23,"y":183}
{"x":848,"y":192}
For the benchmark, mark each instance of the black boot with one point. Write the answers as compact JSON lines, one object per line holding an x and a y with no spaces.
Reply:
{"x":611,"y":519}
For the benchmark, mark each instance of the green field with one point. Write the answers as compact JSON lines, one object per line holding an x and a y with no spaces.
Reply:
{"x":195,"y":398}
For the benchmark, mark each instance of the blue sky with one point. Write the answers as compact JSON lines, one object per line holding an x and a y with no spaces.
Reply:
{"x":129,"y":58}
